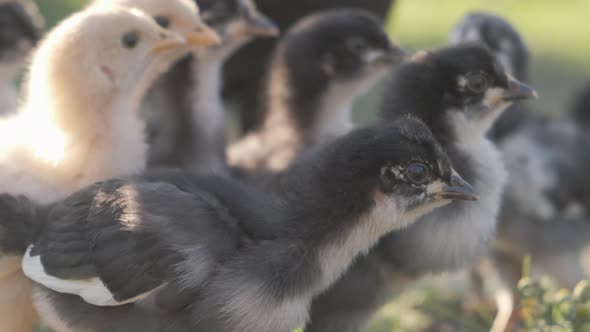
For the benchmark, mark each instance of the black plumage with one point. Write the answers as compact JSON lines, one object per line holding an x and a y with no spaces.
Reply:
{"x":458,"y":92}
{"x":319,"y":68}
{"x":227,"y":257}
{"x":244,"y":73}
{"x":187,"y":123}
{"x":19,"y":217}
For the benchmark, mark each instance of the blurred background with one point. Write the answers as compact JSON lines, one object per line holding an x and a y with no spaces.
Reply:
{"x":558,"y":34}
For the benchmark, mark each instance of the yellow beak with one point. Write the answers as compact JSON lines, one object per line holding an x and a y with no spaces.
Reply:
{"x":168,"y":43}
{"x":205,"y":36}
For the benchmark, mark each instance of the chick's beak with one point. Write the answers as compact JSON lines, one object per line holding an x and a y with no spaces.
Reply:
{"x":204,"y":36}
{"x":261,"y":26}
{"x":458,"y":189}
{"x":396,"y":54}
{"x":393,"y":56}
{"x":518,"y":91}
{"x":167,"y":42}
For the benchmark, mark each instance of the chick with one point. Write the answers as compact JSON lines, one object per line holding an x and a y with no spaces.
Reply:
{"x":187,"y":125}
{"x":317,"y":71}
{"x":244,"y":72}
{"x":70,"y":131}
{"x":74,"y":129}
{"x":237,"y":259}
{"x":20,"y":29}
{"x":458,"y":92}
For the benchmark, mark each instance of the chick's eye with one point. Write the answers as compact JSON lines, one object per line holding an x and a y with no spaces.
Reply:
{"x":478,"y":82}
{"x":162,"y":21}
{"x":130,"y":40}
{"x":417,"y":173}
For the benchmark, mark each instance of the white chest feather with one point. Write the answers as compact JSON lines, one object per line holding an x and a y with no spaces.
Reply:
{"x":335,"y":257}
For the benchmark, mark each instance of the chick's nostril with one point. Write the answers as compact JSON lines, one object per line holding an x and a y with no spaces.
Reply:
{"x":163,"y":35}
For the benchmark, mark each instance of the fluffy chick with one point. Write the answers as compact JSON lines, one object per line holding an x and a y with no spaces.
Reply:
{"x":319,"y":68}
{"x":235,"y":258}
{"x":71,"y":131}
{"x":187,"y":123}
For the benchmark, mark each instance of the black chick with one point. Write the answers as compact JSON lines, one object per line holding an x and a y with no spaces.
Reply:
{"x":176,"y":252}
{"x":511,"y":50}
{"x":244,"y":72}
{"x":187,"y":125}
{"x":458,"y":92}
{"x":318,"y":69}
{"x":20,"y":29}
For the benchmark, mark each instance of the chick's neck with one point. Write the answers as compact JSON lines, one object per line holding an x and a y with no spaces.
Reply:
{"x":90,"y":138}
{"x":295,"y":121}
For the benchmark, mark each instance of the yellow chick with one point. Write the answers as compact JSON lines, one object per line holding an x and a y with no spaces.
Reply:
{"x":78,"y":123}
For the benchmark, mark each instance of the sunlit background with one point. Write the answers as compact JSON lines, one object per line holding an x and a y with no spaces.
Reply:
{"x":558,"y":35}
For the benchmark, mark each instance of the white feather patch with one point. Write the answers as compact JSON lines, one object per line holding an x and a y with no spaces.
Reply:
{"x":93,"y":290}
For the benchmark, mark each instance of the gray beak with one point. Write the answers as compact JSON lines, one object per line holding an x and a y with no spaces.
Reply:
{"x":518,"y":91}
{"x":396,"y":54}
{"x":458,"y":189}
{"x":262,"y":26}
{"x":392,"y":56}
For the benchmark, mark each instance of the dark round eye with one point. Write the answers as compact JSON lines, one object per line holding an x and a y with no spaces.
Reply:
{"x":130,"y":39}
{"x":478,"y":82}
{"x":162,"y":21}
{"x":357,"y":45}
{"x":418,"y":173}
